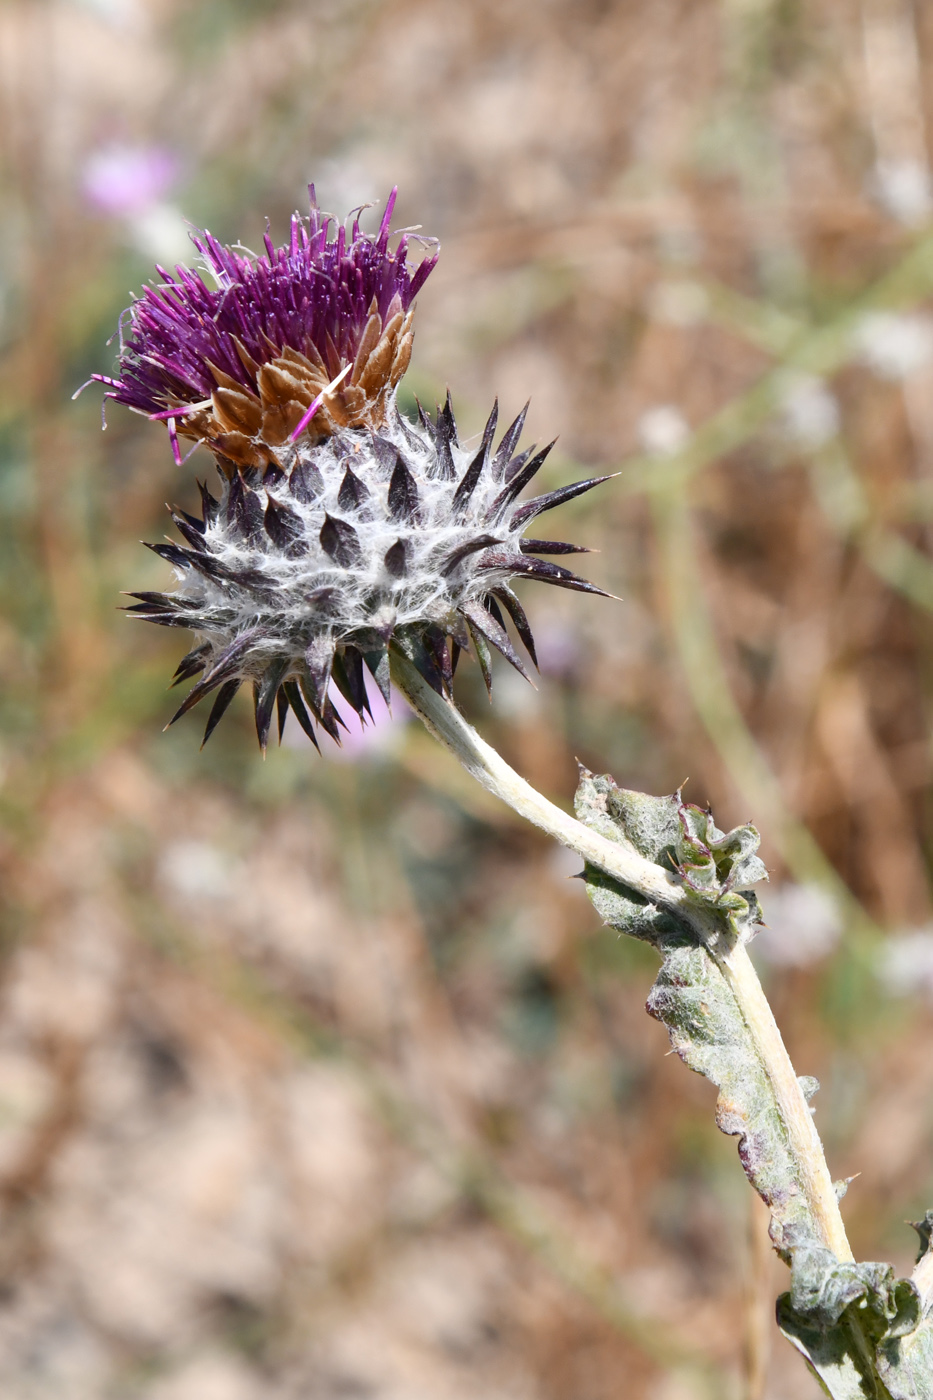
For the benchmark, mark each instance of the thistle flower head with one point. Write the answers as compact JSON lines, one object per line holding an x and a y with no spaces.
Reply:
{"x":310,"y":337}
{"x":310,"y":571}
{"x":341,"y":530}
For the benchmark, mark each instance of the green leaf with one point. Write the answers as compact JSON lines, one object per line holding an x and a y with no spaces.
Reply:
{"x":829,"y":1355}
{"x":822,"y":1289}
{"x":861,"y":1330}
{"x":691,"y":996}
{"x":716,"y":867}
{"x":906,"y":1364}
{"x":693,"y":999}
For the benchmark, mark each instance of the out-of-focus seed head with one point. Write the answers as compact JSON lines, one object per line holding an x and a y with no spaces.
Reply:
{"x":306,"y":339}
{"x":312,"y":570}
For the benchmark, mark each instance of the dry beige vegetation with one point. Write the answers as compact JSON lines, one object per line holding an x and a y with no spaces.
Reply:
{"x":318,"y":1078}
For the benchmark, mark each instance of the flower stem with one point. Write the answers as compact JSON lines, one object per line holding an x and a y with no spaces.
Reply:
{"x":923,"y":1278}
{"x":623,"y":863}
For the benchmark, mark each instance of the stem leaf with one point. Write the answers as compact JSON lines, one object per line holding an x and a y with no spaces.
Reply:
{"x":862,"y":1331}
{"x":691,"y":995}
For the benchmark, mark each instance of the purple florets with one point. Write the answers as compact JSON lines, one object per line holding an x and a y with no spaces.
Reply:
{"x":343,"y":532}
{"x":240,"y":366}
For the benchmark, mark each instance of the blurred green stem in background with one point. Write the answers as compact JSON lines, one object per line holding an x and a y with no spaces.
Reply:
{"x":821,"y":350}
{"x":799,"y":349}
{"x":712,"y":697}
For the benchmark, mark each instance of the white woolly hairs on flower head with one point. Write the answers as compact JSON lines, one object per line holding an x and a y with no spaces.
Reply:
{"x":356,"y":473}
{"x":345,"y":545}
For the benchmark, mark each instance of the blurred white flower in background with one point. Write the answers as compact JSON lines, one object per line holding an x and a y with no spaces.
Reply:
{"x":344,"y":182}
{"x":516,"y":699}
{"x":802,"y":925}
{"x":129,"y":183}
{"x":663,"y":430}
{"x":161,"y":233}
{"x":894,"y":346}
{"x":906,"y":963}
{"x":122,"y":14}
{"x":679,"y":303}
{"x":902,"y":188}
{"x":810,"y":411}
{"x":195,"y":870}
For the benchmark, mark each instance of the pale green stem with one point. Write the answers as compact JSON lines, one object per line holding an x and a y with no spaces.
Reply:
{"x":623,"y":863}
{"x":923,"y":1278}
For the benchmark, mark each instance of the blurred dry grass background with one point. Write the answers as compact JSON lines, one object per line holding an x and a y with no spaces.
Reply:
{"x":318,"y":1077}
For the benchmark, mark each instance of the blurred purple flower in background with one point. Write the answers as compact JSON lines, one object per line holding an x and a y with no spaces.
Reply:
{"x":376,"y":735}
{"x":122,"y":179}
{"x":559,"y":647}
{"x":128,"y":183}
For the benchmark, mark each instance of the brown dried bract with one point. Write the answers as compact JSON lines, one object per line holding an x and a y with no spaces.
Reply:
{"x":249,"y":426}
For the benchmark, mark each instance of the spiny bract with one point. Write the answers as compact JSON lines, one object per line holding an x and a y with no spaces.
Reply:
{"x":246,"y":365}
{"x":305,"y":574}
{"x":342,"y":529}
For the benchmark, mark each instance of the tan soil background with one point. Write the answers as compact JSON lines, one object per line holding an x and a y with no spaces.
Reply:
{"x":318,"y":1077}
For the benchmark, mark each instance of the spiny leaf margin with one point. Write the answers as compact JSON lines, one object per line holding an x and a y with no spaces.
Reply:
{"x":691,"y":996}
{"x":865,"y":1334}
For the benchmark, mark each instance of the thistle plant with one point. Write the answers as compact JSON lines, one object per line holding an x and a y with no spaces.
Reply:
{"x":341,"y":530}
{"x":344,"y":537}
